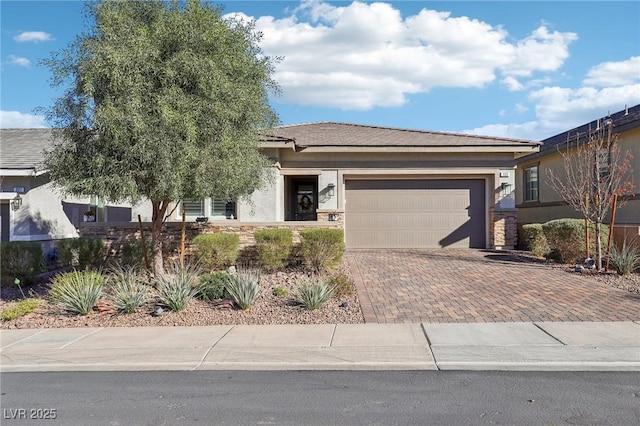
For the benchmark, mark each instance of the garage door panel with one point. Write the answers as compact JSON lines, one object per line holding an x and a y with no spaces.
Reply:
{"x":415,"y":214}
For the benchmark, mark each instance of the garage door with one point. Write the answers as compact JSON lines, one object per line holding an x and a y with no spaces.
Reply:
{"x":415,"y":213}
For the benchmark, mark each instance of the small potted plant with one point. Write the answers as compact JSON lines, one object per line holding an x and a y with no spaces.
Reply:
{"x":89,"y":216}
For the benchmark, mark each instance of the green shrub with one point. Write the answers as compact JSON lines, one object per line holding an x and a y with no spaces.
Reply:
{"x":244,"y":286}
{"x":21,"y":259}
{"x":280,"y":292}
{"x":177,"y":285}
{"x":626,"y":259}
{"x":313,"y":294}
{"x":213,"y":286}
{"x":566,"y":239}
{"x":533,"y":237}
{"x":19,"y":308}
{"x":322,"y":248}
{"x":81,"y":253}
{"x":127,"y":289}
{"x":274,"y":247}
{"x":341,"y":284}
{"x":132,"y":254}
{"x":77,"y":291}
{"x":216,"y":251}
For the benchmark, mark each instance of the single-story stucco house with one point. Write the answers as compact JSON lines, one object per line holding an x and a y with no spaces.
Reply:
{"x":387,"y":187}
{"x":538,"y":202}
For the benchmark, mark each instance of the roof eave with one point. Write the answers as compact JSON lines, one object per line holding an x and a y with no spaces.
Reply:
{"x":32,"y":172}
{"x":281,"y":145}
{"x":426,"y":149}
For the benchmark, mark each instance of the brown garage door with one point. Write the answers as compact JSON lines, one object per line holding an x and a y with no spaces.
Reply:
{"x":415,"y":213}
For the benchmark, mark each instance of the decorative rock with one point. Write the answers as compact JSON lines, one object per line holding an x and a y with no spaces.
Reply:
{"x":158,"y":311}
{"x":104,"y":307}
{"x":590,"y":263}
{"x":223,"y":303}
{"x":344,"y":304}
{"x":579,"y":268}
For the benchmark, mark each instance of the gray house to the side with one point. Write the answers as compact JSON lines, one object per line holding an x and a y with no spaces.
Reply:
{"x":31,"y":209}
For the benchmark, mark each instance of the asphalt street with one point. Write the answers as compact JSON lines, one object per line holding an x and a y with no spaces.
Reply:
{"x":321,"y":397}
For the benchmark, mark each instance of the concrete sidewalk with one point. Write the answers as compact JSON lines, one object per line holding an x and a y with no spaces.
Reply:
{"x":547,"y":346}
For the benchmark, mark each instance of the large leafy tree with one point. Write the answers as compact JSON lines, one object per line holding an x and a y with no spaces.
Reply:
{"x":163,"y":102}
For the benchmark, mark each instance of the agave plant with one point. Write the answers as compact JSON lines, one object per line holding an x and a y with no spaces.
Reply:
{"x":177,"y":285}
{"x":128,"y":290}
{"x":77,"y":291}
{"x":244,"y":286}
{"x":314,"y":293}
{"x":626,"y":259}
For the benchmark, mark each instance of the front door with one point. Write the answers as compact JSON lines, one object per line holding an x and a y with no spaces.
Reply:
{"x":304,"y":200}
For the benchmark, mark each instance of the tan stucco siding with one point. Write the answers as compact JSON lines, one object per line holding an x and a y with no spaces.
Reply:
{"x":551,"y":206}
{"x":393,"y":160}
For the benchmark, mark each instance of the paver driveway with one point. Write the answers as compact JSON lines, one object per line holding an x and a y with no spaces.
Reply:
{"x":434,"y":286}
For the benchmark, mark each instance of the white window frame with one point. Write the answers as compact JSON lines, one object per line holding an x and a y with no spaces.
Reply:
{"x":528,"y":195}
{"x":207,"y":208}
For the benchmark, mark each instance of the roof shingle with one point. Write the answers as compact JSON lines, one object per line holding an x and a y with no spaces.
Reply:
{"x":358,"y":135}
{"x":24,"y":148}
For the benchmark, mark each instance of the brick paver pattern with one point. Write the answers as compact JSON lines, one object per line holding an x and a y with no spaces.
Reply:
{"x":460,"y":285}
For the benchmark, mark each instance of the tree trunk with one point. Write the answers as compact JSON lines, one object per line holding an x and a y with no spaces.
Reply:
{"x":159,"y":210}
{"x":598,"y":245}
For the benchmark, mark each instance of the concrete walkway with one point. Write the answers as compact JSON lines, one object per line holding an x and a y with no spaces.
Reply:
{"x":490,"y":346}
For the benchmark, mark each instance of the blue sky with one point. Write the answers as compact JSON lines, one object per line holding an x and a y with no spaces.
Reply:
{"x":504,"y":68}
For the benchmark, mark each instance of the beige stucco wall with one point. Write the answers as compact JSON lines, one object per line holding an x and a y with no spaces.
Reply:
{"x":551,"y":206}
{"x":263,"y":205}
{"x":407,"y":165}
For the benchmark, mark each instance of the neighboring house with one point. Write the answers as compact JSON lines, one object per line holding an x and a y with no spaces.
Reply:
{"x":30,"y":209}
{"x":388,"y":187}
{"x":538,"y":202}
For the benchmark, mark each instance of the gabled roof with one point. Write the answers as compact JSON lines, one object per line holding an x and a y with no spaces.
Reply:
{"x":332,"y":134}
{"x":23,"y":149}
{"x":628,"y":118}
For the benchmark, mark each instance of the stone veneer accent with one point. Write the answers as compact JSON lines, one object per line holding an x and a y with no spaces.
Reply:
{"x":503,"y":228}
{"x":115,"y":234}
{"x":331,"y":216}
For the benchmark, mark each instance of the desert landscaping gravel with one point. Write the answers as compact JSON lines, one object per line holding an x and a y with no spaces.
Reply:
{"x":267,"y":309}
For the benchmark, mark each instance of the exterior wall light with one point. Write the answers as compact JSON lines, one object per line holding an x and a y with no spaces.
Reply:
{"x":331,"y":189}
{"x":505,"y":188}
{"x":16,"y":203}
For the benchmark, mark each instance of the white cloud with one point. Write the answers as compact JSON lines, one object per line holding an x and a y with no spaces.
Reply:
{"x":361,"y":55}
{"x":520,"y":108}
{"x":512,"y":84}
{"x":614,"y":73}
{"x":23,"y":62}
{"x":529,"y":130}
{"x":18,"y":120}
{"x":541,"y":51}
{"x":34,"y":36}
{"x":559,"y":109}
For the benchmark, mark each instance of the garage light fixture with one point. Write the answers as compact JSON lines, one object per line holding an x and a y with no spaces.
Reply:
{"x":16,"y":203}
{"x":331,"y":189}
